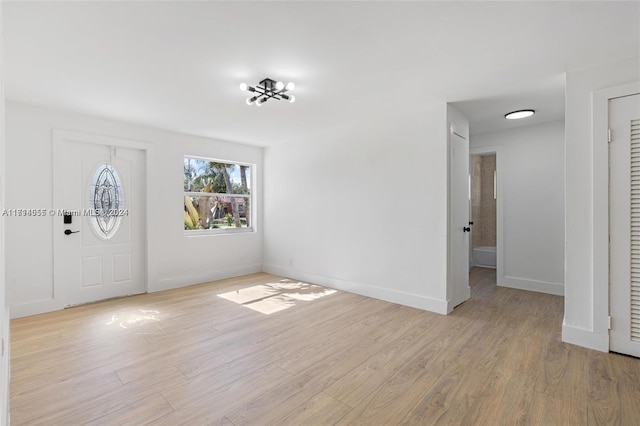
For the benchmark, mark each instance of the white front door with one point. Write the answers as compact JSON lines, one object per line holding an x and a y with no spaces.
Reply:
{"x":459,"y":228}
{"x":624,"y":225}
{"x":101,"y":253}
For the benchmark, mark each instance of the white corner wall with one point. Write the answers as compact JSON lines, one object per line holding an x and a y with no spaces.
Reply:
{"x":363,"y":208}
{"x":173,"y":259}
{"x":586,"y":300}
{"x":531,"y":169}
{"x":5,"y":355}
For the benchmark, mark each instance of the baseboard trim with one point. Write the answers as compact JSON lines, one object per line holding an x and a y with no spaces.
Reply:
{"x":532,"y":285}
{"x":50,"y":305}
{"x":585,"y":338}
{"x":221,"y":274}
{"x":401,"y":298}
{"x":35,"y":308}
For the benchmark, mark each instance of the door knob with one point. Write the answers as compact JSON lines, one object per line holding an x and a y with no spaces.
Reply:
{"x":466,"y":229}
{"x":69,"y":232}
{"x":470,"y":222}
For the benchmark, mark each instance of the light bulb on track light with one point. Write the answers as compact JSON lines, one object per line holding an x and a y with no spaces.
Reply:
{"x":279,"y":85}
{"x":291,"y":86}
{"x":243,"y":86}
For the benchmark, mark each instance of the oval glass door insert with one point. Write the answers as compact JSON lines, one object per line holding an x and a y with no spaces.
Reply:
{"x":106,"y":201}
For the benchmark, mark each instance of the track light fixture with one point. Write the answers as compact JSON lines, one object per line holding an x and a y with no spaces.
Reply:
{"x":268,"y":89}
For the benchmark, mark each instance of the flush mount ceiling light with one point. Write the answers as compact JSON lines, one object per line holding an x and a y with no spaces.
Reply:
{"x":268,"y":89}
{"x":516,"y":115}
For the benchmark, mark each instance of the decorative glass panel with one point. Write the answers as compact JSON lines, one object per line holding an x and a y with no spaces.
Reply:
{"x":106,"y":201}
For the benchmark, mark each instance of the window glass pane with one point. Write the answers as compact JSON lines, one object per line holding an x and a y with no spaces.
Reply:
{"x":201,"y":175}
{"x":216,"y":212}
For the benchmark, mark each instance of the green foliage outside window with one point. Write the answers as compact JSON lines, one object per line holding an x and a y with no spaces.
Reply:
{"x":217,"y":194}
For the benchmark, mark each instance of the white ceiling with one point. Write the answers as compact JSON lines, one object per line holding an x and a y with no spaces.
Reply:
{"x":177,"y":65}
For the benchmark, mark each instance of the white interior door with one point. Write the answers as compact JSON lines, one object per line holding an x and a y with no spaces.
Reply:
{"x":101,"y":253}
{"x":459,"y":228}
{"x":624,"y":225}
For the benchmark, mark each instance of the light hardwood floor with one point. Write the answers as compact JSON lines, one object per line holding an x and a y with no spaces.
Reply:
{"x":189,"y":356}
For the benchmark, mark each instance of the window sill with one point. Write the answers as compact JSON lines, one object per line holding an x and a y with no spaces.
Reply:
{"x":222,"y":231}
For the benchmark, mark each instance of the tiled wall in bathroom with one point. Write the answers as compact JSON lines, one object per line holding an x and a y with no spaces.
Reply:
{"x":483,"y":203}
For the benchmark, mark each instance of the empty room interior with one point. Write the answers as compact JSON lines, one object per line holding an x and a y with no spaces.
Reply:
{"x":314,"y":212}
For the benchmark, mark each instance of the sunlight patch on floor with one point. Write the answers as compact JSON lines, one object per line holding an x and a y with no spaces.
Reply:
{"x":278,"y":296}
{"x":134,"y":318}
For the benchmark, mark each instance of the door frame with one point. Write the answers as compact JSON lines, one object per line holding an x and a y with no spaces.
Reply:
{"x":497,"y":150}
{"x":59,"y":137}
{"x":600,"y":207}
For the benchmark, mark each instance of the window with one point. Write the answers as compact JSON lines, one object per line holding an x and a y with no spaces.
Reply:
{"x":217,"y":196}
{"x":106,"y":201}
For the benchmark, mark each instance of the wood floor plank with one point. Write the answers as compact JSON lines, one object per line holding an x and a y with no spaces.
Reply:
{"x":79,"y":360}
{"x":363,"y":380}
{"x":270,"y":406}
{"x":523,"y":351}
{"x":505,"y":398}
{"x":226,"y":388}
{"x":448,"y":399}
{"x":604,"y":399}
{"x":49,"y":398}
{"x":79,"y":410}
{"x":275,"y":404}
{"x":320,"y":410}
{"x":626,"y":371}
{"x":335,"y":342}
{"x":195,"y":403}
{"x":221,"y":422}
{"x":564,"y":371}
{"x":545,"y":410}
{"x":140,"y":412}
{"x":191,"y":357}
{"x":390,"y":402}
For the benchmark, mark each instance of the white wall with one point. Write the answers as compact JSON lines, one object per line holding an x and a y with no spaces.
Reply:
{"x":4,"y":312}
{"x":531,"y":169}
{"x":173,"y":259}
{"x":363,"y":208}
{"x":586,"y":299}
